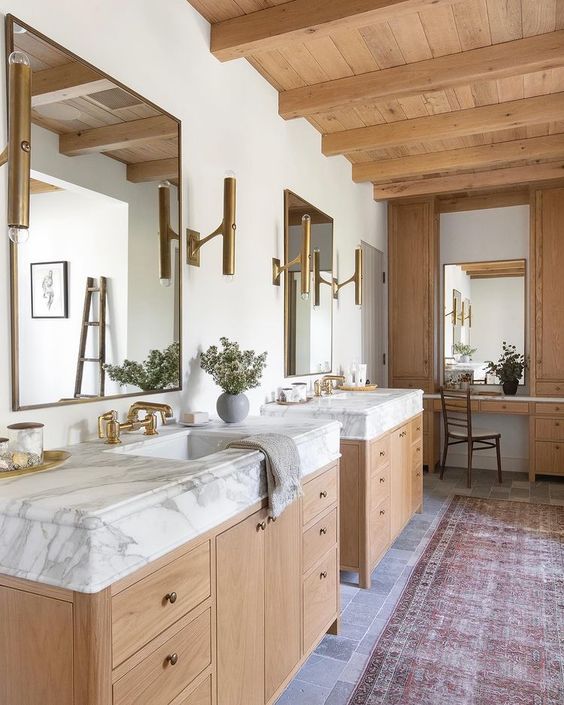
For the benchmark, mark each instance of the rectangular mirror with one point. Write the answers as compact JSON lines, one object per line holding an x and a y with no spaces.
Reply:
{"x":98,"y":281}
{"x":308,"y":328}
{"x":484,"y":305}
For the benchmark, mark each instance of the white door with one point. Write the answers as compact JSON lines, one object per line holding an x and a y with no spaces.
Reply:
{"x":373,"y":314}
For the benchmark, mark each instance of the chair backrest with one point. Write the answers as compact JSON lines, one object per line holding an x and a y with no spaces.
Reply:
{"x":457,"y":412}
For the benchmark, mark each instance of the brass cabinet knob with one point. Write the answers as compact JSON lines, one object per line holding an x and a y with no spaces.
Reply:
{"x":261,"y":526}
{"x":557,"y":447}
{"x":382,"y":453}
{"x":418,"y":474}
{"x":272,"y":519}
{"x":323,"y":495}
{"x":323,"y":575}
{"x":172,"y":659}
{"x":557,"y":423}
{"x":557,"y":389}
{"x":382,"y":479}
{"x":382,"y":512}
{"x":323,"y":531}
{"x":418,"y":449}
{"x":171,"y":597}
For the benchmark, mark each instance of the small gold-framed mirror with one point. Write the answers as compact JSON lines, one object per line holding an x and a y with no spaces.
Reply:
{"x":308,"y":319}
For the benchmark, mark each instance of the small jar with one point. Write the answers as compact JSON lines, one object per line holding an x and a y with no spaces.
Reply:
{"x":300,"y":391}
{"x":26,"y":445}
{"x":286,"y":394}
{"x":5,"y":457}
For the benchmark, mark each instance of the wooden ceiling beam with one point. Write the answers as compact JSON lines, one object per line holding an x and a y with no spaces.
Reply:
{"x":156,"y":170}
{"x":497,"y":178}
{"x":118,"y":136}
{"x":517,"y":57}
{"x":491,"y":156}
{"x":461,"y":123}
{"x":301,"y":20}
{"x":72,"y":80}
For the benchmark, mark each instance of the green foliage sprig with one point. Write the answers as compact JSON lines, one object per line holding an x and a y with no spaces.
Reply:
{"x":463,"y":349}
{"x":510,"y":366}
{"x":233,"y":369}
{"x":161,"y":370}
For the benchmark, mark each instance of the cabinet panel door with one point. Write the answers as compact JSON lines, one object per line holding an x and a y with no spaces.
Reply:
{"x":36,"y":649}
{"x":240,"y":555}
{"x":550,"y":285}
{"x":282,"y":597}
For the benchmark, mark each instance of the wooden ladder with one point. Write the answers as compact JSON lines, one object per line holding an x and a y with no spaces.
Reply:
{"x":91,"y":289}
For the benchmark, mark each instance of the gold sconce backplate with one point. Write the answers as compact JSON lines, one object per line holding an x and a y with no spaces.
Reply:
{"x":192,"y":249}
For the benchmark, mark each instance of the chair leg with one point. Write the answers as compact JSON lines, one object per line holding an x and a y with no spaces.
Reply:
{"x":469,"y":475}
{"x":443,"y":463}
{"x":498,"y":453}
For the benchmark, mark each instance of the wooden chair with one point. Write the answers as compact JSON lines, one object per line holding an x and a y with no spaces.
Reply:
{"x":457,"y":418}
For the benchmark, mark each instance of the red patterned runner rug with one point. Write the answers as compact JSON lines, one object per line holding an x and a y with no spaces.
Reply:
{"x":481,"y":620}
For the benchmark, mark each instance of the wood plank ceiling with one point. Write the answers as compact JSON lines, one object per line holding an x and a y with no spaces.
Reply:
{"x":422,"y":96}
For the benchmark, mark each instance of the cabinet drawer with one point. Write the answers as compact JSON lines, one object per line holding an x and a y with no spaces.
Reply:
{"x":150,"y":606}
{"x":549,"y":429}
{"x":550,"y":389}
{"x":380,"y":530}
{"x":379,"y":485}
{"x":320,"y":598}
{"x":504,"y":407}
{"x":416,"y":487}
{"x":416,"y":429}
{"x":202,"y":695}
{"x":549,"y":409}
{"x":380,"y":452}
{"x":319,"y":539}
{"x":319,"y":494}
{"x":549,"y":458}
{"x":417,"y":454}
{"x":156,"y":681}
{"x":412,"y":383}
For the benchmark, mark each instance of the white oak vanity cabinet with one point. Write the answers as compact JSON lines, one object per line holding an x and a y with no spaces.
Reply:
{"x":226,"y":619}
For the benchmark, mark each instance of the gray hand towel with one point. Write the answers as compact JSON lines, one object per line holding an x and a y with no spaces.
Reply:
{"x":283,"y":470}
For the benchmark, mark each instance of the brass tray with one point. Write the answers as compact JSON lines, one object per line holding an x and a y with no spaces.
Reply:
{"x":365,"y":388}
{"x":52,"y":459}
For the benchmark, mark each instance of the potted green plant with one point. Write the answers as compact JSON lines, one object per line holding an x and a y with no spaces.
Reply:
{"x":464,"y":351}
{"x":235,"y":371}
{"x":161,"y":370}
{"x":509,"y":368}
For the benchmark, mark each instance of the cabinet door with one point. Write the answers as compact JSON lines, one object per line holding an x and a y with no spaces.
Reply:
{"x":411,"y":287}
{"x":36,"y":649}
{"x":549,"y":294}
{"x":240,"y":555}
{"x":400,"y":492}
{"x":282,"y":598}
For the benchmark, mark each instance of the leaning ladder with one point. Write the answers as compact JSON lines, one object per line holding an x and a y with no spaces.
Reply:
{"x":91,"y":289}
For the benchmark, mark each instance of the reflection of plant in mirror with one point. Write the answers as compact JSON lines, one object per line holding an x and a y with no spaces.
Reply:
{"x":510,"y":366}
{"x":233,"y":369}
{"x":161,"y":370}
{"x":463,"y":349}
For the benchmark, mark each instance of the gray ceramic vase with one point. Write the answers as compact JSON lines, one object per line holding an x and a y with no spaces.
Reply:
{"x":232,"y":408}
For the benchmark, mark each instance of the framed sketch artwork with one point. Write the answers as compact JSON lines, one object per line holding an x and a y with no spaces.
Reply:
{"x":49,"y":290}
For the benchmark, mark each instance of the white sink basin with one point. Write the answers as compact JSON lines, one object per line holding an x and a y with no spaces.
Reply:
{"x":191,"y":444}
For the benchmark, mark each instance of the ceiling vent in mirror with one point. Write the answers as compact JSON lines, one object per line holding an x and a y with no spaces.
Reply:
{"x":115,"y":98}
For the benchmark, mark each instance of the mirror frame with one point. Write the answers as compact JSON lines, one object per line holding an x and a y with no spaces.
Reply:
{"x":526,"y":337}
{"x":14,"y":289}
{"x":287,"y":195}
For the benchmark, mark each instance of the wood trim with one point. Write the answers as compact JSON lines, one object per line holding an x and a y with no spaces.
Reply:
{"x":472,"y":181}
{"x":494,"y":199}
{"x":118,"y":136}
{"x":56,"y":593}
{"x":460,"y":123}
{"x":156,"y":170}
{"x":520,"y":56}
{"x":300,"y":20}
{"x":72,"y":80}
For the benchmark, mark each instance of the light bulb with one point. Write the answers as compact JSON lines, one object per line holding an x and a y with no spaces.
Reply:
{"x":229,"y":174}
{"x":229,"y":278}
{"x":18,"y":57}
{"x":305,"y":297}
{"x":18,"y":235}
{"x":165,"y":282}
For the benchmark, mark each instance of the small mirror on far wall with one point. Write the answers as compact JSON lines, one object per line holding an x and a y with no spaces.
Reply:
{"x":484,"y":305}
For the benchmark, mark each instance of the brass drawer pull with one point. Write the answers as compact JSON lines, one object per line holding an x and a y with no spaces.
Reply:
{"x":382,"y":512}
{"x":323,"y":575}
{"x":382,"y":479}
{"x":418,"y":449}
{"x":323,"y":531}
{"x":172,"y":659}
{"x":382,"y":453}
{"x":272,"y":519}
{"x":323,"y":495}
{"x":418,"y":428}
{"x":557,"y":389}
{"x":557,"y":423}
{"x":418,"y":474}
{"x":171,"y":597}
{"x":261,"y":526}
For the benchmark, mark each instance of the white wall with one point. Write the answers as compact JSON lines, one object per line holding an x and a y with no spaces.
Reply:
{"x":230,"y":121}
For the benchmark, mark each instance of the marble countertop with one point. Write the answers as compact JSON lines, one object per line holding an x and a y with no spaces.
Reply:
{"x":363,"y":415}
{"x":106,"y":512}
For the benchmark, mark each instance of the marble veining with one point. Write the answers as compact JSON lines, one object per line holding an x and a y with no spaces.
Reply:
{"x":363,"y":415}
{"x":105,"y":514}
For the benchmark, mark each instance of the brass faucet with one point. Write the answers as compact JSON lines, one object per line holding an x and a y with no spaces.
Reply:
{"x":325,"y":384}
{"x":113,"y":428}
{"x":148,"y":407}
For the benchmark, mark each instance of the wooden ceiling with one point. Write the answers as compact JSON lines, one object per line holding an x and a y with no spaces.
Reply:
{"x":494,"y":270}
{"x":422,"y":96}
{"x":92,"y":114}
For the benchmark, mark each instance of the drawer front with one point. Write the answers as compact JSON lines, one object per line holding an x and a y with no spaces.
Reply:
{"x":148,"y":607}
{"x":380,"y":452}
{"x":318,"y":539}
{"x":549,"y":429}
{"x":320,"y":598}
{"x":549,"y":458}
{"x":202,"y":695}
{"x":504,"y":407}
{"x":549,"y":409}
{"x":416,"y":487}
{"x":416,"y":429}
{"x":550,"y":389}
{"x":319,"y":494}
{"x":156,"y":680}
{"x":417,"y":454}
{"x":413,"y":383}
{"x":379,"y":485}
{"x":380,"y":530}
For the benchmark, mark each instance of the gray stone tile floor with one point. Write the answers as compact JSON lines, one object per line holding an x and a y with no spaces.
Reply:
{"x":329,"y":675}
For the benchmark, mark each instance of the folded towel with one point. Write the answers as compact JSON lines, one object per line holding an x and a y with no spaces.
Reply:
{"x":283,"y":470}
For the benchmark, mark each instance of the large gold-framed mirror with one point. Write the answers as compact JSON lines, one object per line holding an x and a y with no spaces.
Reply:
{"x":484,"y":305}
{"x":308,"y":320}
{"x":98,"y":282}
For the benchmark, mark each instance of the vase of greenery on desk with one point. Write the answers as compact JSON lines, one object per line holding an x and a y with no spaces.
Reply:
{"x":509,"y":368}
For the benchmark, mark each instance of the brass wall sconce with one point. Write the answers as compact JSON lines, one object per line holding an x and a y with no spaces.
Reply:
{"x":454,"y":313}
{"x":318,"y":280}
{"x":166,"y":234}
{"x":356,"y":279}
{"x":466,"y":314}
{"x":226,"y":229}
{"x":18,"y":152}
{"x":302,"y":259}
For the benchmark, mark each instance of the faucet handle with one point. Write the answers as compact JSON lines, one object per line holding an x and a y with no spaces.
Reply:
{"x":107,"y":417}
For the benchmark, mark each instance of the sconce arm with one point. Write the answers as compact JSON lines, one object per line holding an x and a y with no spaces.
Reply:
{"x":4,"y":157}
{"x":195,"y":245}
{"x":278,"y":269}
